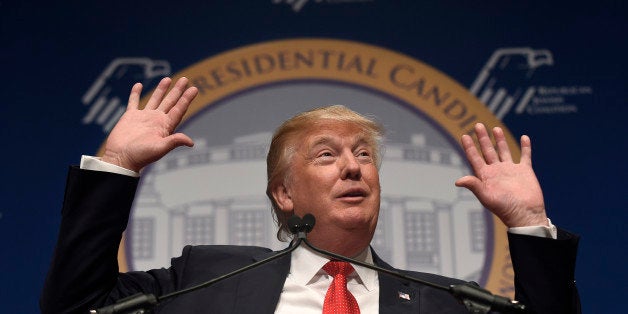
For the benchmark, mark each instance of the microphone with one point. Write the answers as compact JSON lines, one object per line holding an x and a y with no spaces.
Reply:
{"x":145,"y":302}
{"x":474,"y":298}
{"x":138,"y":303}
{"x":295,"y":224}
{"x":308,"y":222}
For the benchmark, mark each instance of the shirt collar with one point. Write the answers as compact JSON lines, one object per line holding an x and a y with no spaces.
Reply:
{"x":305,"y":264}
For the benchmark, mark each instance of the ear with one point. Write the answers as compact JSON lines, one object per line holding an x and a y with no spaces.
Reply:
{"x":282,"y":197}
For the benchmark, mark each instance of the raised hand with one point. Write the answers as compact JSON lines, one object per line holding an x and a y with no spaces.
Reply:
{"x":144,"y":136}
{"x":509,"y":190}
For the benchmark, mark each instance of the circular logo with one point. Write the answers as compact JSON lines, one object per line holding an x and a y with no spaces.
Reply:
{"x":215,"y":192}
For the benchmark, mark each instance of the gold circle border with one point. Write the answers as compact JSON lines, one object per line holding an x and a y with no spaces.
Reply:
{"x":435,"y":94}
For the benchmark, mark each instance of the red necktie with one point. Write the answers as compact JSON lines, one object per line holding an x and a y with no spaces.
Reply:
{"x":338,"y":299}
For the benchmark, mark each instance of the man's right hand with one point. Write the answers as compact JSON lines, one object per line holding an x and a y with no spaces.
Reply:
{"x":144,"y":136}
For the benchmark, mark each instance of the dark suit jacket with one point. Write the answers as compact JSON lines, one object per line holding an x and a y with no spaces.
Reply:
{"x":84,"y":271}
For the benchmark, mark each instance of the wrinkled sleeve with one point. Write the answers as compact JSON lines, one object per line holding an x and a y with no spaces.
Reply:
{"x":83,"y":274}
{"x":545,"y":272}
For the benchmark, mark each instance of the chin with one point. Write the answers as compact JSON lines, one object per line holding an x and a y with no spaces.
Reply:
{"x":357,"y":221}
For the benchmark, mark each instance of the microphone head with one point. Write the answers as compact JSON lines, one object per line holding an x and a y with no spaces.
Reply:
{"x":308,"y":222}
{"x":295,"y":224}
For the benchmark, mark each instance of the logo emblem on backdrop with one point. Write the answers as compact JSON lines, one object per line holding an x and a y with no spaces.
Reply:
{"x":104,"y":96}
{"x":507,"y":83}
{"x":214,"y":193}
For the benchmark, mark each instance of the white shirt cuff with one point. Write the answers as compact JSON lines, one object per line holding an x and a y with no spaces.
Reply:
{"x":537,"y":231}
{"x":94,"y":163}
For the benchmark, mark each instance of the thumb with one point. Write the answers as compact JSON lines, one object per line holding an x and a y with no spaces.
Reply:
{"x":470,"y":182}
{"x":179,"y":139}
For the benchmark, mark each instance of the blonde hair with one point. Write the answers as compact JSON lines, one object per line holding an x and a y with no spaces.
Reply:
{"x":286,"y":138}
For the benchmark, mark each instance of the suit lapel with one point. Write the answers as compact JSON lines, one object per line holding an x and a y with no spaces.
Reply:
{"x":401,"y":296}
{"x":395,"y":295}
{"x":259,"y":288}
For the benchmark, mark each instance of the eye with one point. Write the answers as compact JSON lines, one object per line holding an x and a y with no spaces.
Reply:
{"x":364,"y":155}
{"x":325,"y":154}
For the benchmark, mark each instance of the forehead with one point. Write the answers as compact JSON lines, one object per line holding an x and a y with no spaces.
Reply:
{"x":333,"y":133}
{"x":330,"y":130}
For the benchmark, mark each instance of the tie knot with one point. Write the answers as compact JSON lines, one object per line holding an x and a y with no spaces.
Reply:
{"x":334,"y":268}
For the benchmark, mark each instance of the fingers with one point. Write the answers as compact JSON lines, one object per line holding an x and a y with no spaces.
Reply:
{"x":526,"y":150}
{"x":502,"y":145}
{"x":177,"y":99}
{"x":176,"y":113}
{"x":158,"y":94}
{"x":488,"y":154}
{"x":474,"y":157}
{"x":173,"y":96}
{"x":486,"y":145}
{"x":134,"y":97}
{"x":488,"y":151}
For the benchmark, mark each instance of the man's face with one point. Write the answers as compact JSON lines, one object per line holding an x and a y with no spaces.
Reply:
{"x":333,"y":176}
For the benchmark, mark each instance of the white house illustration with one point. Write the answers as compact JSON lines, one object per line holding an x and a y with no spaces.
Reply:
{"x":216,"y":195}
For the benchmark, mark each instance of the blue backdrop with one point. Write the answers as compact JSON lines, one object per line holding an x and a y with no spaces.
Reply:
{"x":51,"y":54}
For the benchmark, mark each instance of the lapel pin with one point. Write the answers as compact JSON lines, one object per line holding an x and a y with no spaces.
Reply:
{"x":403,"y":295}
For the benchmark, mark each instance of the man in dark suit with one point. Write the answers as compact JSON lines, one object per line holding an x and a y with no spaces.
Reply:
{"x":323,"y":162}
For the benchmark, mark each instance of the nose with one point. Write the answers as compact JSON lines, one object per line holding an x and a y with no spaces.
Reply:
{"x":350,"y":167}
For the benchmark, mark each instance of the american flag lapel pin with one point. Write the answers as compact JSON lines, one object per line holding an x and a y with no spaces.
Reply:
{"x":403,"y":295}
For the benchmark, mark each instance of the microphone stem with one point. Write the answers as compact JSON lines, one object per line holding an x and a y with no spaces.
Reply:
{"x":375,"y":268}
{"x":281,"y":253}
{"x":141,"y":303}
{"x":474,"y":298}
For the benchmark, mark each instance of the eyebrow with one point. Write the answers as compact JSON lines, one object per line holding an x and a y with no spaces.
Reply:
{"x":322,"y":140}
{"x":359,"y":139}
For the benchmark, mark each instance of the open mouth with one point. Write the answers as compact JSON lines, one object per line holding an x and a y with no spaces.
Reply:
{"x":353,"y":193}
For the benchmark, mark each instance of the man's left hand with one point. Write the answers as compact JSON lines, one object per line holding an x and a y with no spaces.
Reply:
{"x":510,"y":190}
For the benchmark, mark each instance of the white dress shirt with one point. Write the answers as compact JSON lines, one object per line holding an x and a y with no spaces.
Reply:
{"x":307,"y":283}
